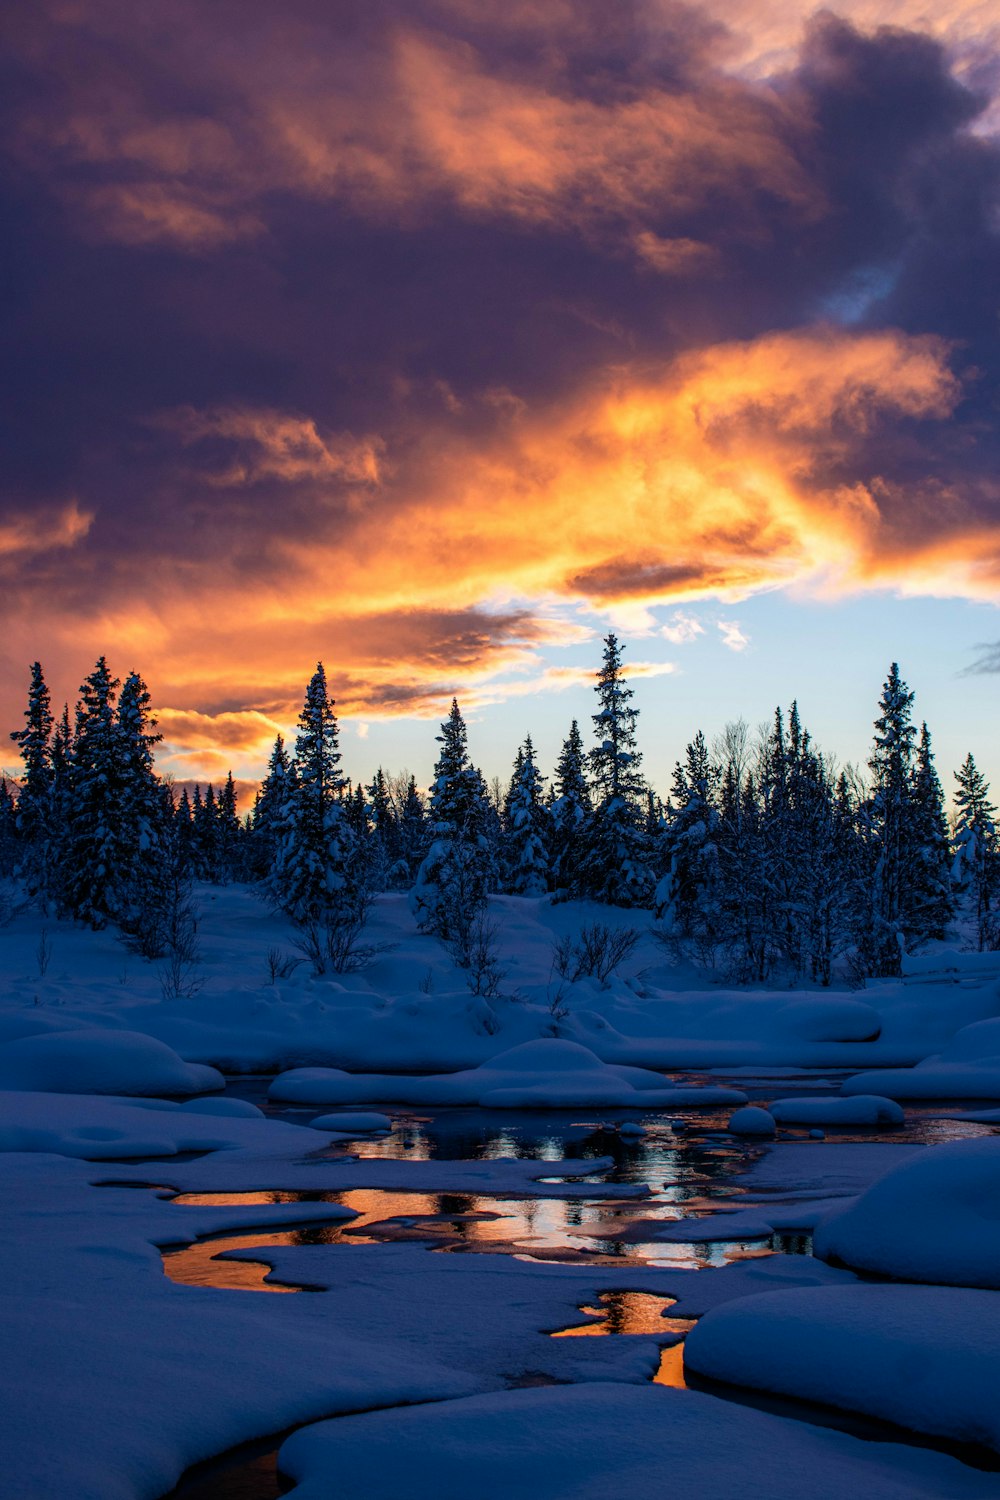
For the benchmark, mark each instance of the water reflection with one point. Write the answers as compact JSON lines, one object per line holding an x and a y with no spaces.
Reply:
{"x":628,"y":1312}
{"x":693,"y":1167}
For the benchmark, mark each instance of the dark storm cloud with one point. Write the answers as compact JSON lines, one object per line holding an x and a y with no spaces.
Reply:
{"x":313,"y":310}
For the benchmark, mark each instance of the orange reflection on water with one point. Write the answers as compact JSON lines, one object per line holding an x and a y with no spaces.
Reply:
{"x":671,"y":1370}
{"x":629,"y":1312}
{"x":197,"y":1265}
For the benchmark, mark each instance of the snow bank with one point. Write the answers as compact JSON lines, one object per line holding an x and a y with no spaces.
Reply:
{"x":934,"y":1218}
{"x":589,"y":1442}
{"x":101,"y":1061}
{"x":864,"y":1110}
{"x":104,"y":1129}
{"x":411,"y":1009}
{"x":544,"y":1074}
{"x":927,"y":1358}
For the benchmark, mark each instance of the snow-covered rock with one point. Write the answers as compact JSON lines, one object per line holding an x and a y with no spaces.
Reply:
{"x":751,"y":1120}
{"x":104,"y":1061}
{"x":868,"y":1110}
{"x":934,"y":1218}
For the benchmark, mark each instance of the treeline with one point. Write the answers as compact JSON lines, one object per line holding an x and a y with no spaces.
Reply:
{"x":764,"y":860}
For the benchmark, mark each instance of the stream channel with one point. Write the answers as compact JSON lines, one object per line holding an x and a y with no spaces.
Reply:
{"x":690,"y":1163}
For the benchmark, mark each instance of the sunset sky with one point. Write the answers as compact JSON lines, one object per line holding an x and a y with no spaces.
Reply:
{"x":436,"y":337}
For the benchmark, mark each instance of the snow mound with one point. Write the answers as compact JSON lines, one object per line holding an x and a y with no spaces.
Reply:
{"x":586,"y":1442}
{"x":863,"y":1109}
{"x":105,"y":1129}
{"x":815,"y":1019}
{"x":934,"y":1218}
{"x":543,"y":1074}
{"x":99,"y":1061}
{"x":355,"y":1122}
{"x":926,"y":1358}
{"x":751,"y":1120}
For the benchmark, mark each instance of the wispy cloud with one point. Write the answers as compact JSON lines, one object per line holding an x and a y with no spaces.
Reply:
{"x":732,"y":636}
{"x":682,"y":628}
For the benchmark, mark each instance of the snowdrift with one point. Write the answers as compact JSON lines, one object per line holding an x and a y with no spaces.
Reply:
{"x":101,"y":1061}
{"x":545,"y":1074}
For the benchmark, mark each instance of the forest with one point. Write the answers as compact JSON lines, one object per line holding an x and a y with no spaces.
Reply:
{"x":765,"y":861}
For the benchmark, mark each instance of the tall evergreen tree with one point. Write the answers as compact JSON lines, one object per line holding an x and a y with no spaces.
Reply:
{"x":94,"y":845}
{"x":929,"y":876}
{"x":688,"y":895}
{"x":889,"y":920}
{"x":230,"y":833}
{"x":526,"y":834}
{"x":270,"y":813}
{"x":615,"y":864}
{"x":570,"y":812}
{"x":315,"y":862}
{"x":140,"y":811}
{"x":207,"y":843}
{"x":8,"y":828}
{"x":455,"y":874}
{"x":413,"y":832}
{"x":976,"y":863}
{"x":35,"y":811}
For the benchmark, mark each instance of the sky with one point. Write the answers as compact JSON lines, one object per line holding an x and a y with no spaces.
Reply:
{"x":437,"y":338}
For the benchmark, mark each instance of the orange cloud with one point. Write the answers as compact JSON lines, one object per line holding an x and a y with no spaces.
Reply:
{"x":185,"y":729}
{"x":388,"y":124}
{"x":268,"y":444}
{"x":23,"y":535}
{"x":711,"y":474}
{"x":716,"y":474}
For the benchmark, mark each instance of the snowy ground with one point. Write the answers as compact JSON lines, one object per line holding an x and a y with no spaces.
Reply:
{"x":529,"y":1171}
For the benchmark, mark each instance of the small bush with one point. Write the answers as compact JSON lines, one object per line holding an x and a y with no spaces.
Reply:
{"x":280,"y":965}
{"x":596,"y":953}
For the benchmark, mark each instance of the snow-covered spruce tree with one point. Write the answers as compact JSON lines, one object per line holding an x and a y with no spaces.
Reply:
{"x":614,"y":866}
{"x":688,"y":896}
{"x":455,"y":875}
{"x":889,"y":921}
{"x":570,"y":812}
{"x":94,"y":846}
{"x":797,"y":836}
{"x":314,"y":869}
{"x":976,"y":846}
{"x":181,"y":826}
{"x":268,"y":823}
{"x":141,"y":812}
{"x":60,"y":803}
{"x":206,"y":841}
{"x":824,"y":888}
{"x":526,"y":855}
{"x":231,"y":835}
{"x":8,"y":831}
{"x":931,"y":906}
{"x":384,"y":822}
{"x":743,"y":923}
{"x":35,"y":811}
{"x":412,"y":823}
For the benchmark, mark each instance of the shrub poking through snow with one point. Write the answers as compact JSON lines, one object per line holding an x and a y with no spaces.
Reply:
{"x":596,"y":953}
